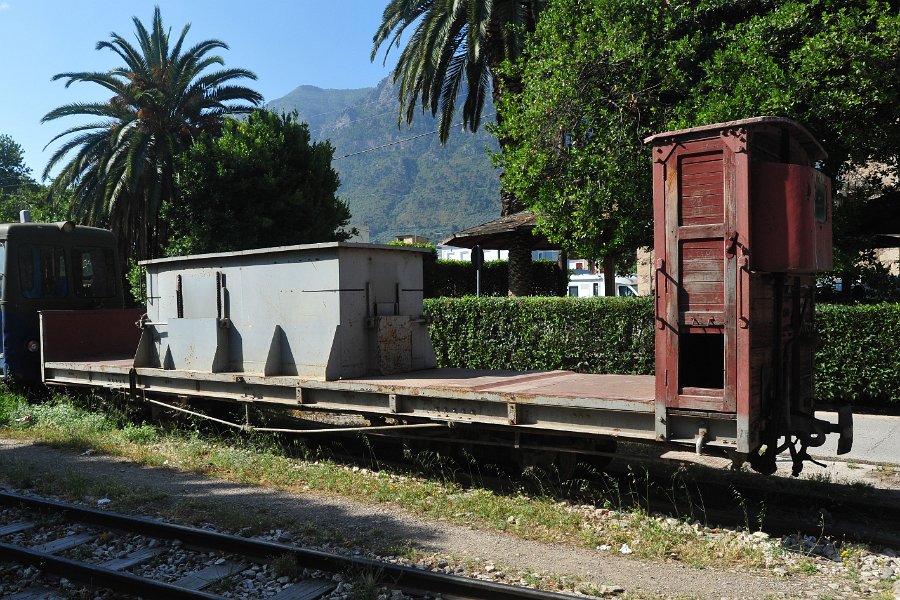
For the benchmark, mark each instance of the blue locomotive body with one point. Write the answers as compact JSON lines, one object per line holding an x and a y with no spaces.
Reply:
{"x":50,"y":266}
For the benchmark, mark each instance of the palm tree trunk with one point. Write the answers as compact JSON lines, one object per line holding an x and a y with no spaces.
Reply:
{"x":562,"y":273}
{"x":520,"y":276}
{"x":520,"y":281}
{"x":609,"y":275}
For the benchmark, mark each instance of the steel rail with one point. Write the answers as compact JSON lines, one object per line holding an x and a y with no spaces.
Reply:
{"x":98,"y":576}
{"x":399,"y":575}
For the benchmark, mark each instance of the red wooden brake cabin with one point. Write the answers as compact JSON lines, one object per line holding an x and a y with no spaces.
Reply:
{"x":742,"y":224}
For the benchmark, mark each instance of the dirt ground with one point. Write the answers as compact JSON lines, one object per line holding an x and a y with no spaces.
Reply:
{"x":639,"y":578}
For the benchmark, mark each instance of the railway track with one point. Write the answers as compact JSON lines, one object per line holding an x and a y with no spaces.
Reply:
{"x":212,"y":565}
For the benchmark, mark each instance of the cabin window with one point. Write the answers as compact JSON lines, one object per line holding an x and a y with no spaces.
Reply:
{"x":93,"y":272}
{"x":573,"y":290}
{"x":596,"y":289}
{"x":701,"y":360}
{"x":624,"y":290}
{"x":42,"y":271}
{"x":821,"y":206}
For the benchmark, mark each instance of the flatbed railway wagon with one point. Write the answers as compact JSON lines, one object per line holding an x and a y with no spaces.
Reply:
{"x":742,"y":224}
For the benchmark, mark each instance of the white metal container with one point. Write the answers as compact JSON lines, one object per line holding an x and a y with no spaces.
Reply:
{"x":328,"y":311}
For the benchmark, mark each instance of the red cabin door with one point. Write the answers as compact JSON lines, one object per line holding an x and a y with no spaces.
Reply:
{"x":696,"y":279}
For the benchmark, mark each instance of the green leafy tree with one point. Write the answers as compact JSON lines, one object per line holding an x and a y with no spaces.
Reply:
{"x":19,"y":191}
{"x":259,"y":183}
{"x":454,"y":50}
{"x":13,"y":170}
{"x":600,"y":75}
{"x":162,"y":98}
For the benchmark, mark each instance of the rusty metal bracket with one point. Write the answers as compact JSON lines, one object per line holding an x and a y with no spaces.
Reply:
{"x":736,"y":139}
{"x":657,"y":292}
{"x":394,"y":403}
{"x":132,"y":383}
{"x":512,"y":413}
{"x":700,"y":441}
{"x":743,"y":316}
{"x":664,"y":151}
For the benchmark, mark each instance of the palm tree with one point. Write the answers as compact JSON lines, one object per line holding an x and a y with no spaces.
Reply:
{"x":455,"y":48}
{"x":162,"y":98}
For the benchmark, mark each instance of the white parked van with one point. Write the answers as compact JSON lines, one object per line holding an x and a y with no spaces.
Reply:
{"x":588,"y":285}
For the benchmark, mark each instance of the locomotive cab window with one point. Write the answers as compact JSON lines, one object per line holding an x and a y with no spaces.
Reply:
{"x":93,"y":272}
{"x":42,"y":271}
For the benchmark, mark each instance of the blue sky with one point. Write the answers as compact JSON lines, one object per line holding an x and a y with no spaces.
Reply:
{"x":325,"y":43}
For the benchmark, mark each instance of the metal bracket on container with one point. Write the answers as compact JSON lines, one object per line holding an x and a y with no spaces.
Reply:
{"x":221,"y":300}
{"x":394,"y":403}
{"x":301,"y":397}
{"x":512,"y":413}
{"x":370,"y":305}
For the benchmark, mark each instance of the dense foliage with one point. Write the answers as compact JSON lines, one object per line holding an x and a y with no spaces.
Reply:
{"x":600,"y":75}
{"x":593,"y":335}
{"x":860,"y":356}
{"x":259,"y":183}
{"x":859,"y":360}
{"x":13,"y":170}
{"x":18,"y":191}
{"x":163,"y":97}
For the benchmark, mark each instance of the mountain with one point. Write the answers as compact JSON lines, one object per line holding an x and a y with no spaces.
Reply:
{"x":415,"y":186}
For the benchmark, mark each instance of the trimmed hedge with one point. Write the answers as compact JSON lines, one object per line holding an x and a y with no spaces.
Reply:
{"x":859,"y":360}
{"x":860,"y":357}
{"x":592,"y":335}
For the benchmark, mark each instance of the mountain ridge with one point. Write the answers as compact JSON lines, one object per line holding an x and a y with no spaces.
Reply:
{"x":399,"y":180}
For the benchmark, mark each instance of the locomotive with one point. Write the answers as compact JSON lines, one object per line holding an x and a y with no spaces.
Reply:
{"x":50,"y":266}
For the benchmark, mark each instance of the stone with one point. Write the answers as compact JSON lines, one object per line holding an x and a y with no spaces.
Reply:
{"x":625,"y":549}
{"x":104,"y":502}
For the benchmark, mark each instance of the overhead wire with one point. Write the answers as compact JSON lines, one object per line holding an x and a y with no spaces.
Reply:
{"x":395,"y":142}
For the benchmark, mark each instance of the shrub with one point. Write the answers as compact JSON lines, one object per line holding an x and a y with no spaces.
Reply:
{"x":595,"y":335}
{"x":860,"y":356}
